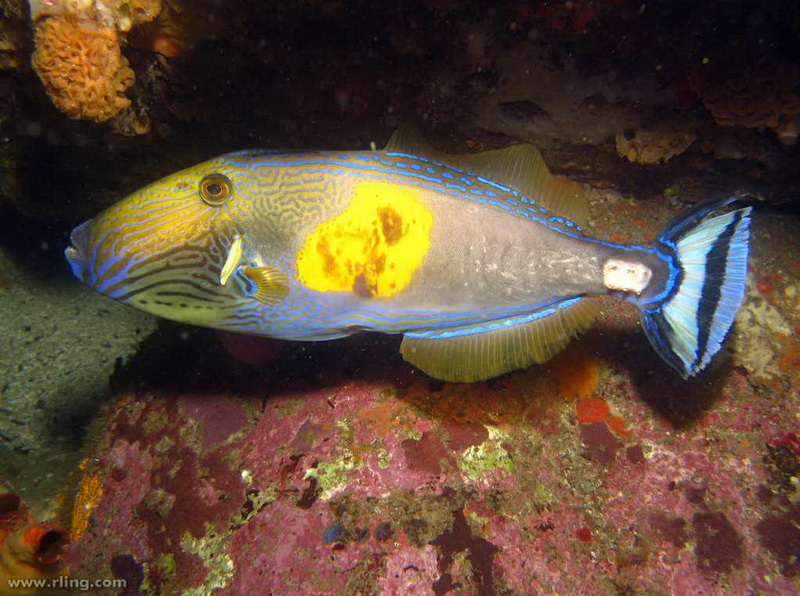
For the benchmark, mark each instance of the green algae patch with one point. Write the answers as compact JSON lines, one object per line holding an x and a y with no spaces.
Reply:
{"x":384,"y":457}
{"x":164,"y":444}
{"x":332,"y":476}
{"x":477,"y":519}
{"x":487,"y":456}
{"x":542,"y":496}
{"x":155,"y":422}
{"x":258,"y":499}
{"x":212,"y":550}
{"x":160,"y":501}
{"x":288,"y":407}
{"x":165,"y":567}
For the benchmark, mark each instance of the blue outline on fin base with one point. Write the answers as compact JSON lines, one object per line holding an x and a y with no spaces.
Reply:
{"x":495,"y":325}
{"x":688,"y":327}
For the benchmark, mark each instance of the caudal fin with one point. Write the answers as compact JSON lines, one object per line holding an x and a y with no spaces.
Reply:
{"x":689,"y":325}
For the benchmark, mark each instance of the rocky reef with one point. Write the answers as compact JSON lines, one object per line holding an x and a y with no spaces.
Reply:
{"x":598,"y":473}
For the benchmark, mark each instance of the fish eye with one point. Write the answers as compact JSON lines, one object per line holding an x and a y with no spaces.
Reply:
{"x":215,"y":189}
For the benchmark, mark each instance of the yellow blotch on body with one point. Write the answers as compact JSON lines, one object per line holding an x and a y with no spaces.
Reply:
{"x":373,"y":248}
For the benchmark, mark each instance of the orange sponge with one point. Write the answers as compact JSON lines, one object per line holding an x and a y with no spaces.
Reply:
{"x":82,"y":68}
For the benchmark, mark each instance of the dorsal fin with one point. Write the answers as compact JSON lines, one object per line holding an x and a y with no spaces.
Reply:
{"x":407,"y":139}
{"x":480,"y":352}
{"x":520,"y":167}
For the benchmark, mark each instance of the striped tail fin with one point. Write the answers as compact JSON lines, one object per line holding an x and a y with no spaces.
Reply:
{"x":688,"y":326}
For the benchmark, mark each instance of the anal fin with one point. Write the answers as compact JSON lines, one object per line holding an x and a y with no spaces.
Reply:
{"x":480,"y":352}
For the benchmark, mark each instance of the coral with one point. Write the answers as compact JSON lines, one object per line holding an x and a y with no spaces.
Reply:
{"x":177,"y":29}
{"x":47,"y":8}
{"x":486,"y":457}
{"x":783,"y":465}
{"x":132,"y":121}
{"x":753,"y":97}
{"x":14,"y":8}
{"x":220,"y":417}
{"x":655,"y":145}
{"x":671,"y":529}
{"x":592,"y":409}
{"x":366,"y":488}
{"x":760,"y":333}
{"x":82,"y":68}
{"x":460,"y":538}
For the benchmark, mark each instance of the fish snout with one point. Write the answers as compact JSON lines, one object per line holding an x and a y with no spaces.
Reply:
{"x":78,"y":252}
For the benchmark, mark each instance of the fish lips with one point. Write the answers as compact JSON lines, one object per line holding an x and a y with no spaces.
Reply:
{"x":78,"y":253}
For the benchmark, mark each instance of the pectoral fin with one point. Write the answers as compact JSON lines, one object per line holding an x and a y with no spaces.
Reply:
{"x":480,"y":352}
{"x":269,"y":285}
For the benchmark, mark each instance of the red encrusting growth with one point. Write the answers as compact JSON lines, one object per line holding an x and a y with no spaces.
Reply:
{"x":616,"y":424}
{"x":596,"y":409}
{"x":592,"y":409}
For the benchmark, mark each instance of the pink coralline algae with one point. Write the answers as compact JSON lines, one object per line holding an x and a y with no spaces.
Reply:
{"x":220,"y":416}
{"x":780,"y":533}
{"x":719,"y":547}
{"x":405,"y":486}
{"x":601,"y":445}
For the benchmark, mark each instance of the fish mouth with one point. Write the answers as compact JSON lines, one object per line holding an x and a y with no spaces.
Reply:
{"x":77,"y":253}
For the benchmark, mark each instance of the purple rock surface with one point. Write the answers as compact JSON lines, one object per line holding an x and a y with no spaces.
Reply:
{"x":407,"y":486}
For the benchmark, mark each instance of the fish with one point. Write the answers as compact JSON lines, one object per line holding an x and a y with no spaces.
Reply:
{"x":480,"y":261}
